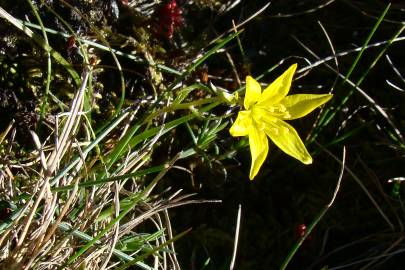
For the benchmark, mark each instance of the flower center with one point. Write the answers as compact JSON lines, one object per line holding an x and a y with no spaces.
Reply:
{"x":279,"y":111}
{"x":268,"y":118}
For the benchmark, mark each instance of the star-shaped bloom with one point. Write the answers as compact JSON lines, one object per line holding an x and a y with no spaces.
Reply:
{"x":264,"y":116}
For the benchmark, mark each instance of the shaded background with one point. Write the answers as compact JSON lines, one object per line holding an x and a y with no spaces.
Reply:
{"x":286,"y":194}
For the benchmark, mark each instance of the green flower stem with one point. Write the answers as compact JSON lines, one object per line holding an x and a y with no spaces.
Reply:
{"x":182,"y":106}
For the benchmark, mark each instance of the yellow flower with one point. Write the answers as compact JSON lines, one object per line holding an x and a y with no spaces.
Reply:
{"x":264,"y":115}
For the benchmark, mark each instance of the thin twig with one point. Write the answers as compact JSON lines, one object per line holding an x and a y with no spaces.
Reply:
{"x":358,"y":181}
{"x":332,"y":48}
{"x":355,"y":85}
{"x":311,"y":10}
{"x":236,"y":241}
{"x":241,"y":24}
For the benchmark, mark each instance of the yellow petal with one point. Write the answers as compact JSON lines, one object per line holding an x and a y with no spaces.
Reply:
{"x":241,"y":125}
{"x":300,"y":105}
{"x":259,"y":148}
{"x":278,"y":89}
{"x":287,"y":139}
{"x":253,"y":91}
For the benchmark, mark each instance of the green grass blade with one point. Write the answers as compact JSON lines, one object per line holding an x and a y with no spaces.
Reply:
{"x":135,"y":200}
{"x":41,"y":42}
{"x":49,"y":62}
{"x":132,"y":57}
{"x":65,"y":227}
{"x":360,"y":54}
{"x":357,"y":84}
{"x":117,"y":63}
{"x":93,"y":144}
{"x":168,"y":126}
{"x":147,"y":254}
{"x":317,"y":218}
{"x":201,"y":60}
{"x":328,"y":115}
{"x":111,"y":179}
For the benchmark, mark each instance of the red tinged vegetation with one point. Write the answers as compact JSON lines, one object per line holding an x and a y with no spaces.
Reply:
{"x":170,"y":18}
{"x":300,"y":230}
{"x":5,"y":210}
{"x":71,"y":43}
{"x":5,"y":213}
{"x":93,"y":61}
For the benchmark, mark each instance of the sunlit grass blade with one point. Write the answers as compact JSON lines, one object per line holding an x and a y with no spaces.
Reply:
{"x":147,"y":254}
{"x":93,"y":144}
{"x":134,"y":201}
{"x":65,"y":227}
{"x":131,"y":140}
{"x":111,"y":179}
{"x":168,"y":126}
